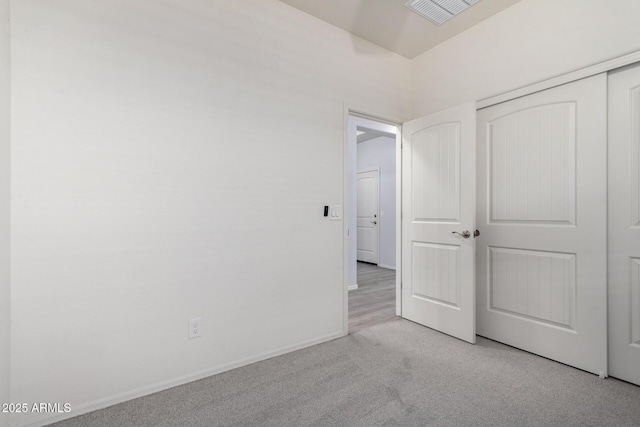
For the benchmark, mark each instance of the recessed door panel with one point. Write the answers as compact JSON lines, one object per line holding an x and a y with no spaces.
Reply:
{"x":533,"y":181}
{"x":435,"y":272}
{"x":534,"y":285}
{"x":435,"y":174}
{"x":634,"y":303}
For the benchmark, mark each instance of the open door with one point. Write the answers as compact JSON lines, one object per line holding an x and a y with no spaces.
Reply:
{"x":438,"y":221}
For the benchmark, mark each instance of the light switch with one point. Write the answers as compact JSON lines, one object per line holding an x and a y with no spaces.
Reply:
{"x":335,"y":212}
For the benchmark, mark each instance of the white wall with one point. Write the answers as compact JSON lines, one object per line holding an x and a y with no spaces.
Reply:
{"x":381,"y":153}
{"x":160,"y":173}
{"x":526,"y":43}
{"x":5,"y":177}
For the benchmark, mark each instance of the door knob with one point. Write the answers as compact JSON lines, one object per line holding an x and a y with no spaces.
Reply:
{"x":466,"y":234}
{"x":476,"y":233}
{"x":374,"y":222}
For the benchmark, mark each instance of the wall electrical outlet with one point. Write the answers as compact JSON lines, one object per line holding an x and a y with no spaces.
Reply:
{"x":195,"y":327}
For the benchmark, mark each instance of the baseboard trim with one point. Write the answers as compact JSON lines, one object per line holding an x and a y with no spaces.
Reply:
{"x":390,"y":267}
{"x":164,"y":385}
{"x":352,"y":287}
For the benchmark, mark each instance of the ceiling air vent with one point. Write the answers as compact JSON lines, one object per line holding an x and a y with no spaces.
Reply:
{"x":439,"y":11}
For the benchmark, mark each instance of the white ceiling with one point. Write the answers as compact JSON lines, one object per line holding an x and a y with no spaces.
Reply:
{"x":390,"y":24}
{"x":366,"y":133}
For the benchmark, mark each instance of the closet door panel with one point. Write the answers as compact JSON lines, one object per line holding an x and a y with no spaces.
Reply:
{"x":541,"y":255}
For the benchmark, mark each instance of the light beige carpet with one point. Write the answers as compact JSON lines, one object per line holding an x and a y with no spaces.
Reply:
{"x":393,"y":374}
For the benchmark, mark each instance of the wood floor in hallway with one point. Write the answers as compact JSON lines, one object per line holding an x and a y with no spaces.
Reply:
{"x":374,"y":301}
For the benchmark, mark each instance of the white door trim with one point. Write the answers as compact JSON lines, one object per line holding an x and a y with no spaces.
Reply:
{"x":581,"y":73}
{"x":399,"y":221}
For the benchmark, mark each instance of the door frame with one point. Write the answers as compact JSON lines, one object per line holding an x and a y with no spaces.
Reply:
{"x":377,"y":171}
{"x":363,"y":113}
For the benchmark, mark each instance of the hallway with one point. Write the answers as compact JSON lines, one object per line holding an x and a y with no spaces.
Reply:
{"x":374,"y":301}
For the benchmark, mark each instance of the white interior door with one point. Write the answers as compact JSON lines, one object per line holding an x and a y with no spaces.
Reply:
{"x":624,"y":224}
{"x":368,"y":184}
{"x":438,"y":200}
{"x":542,"y":215}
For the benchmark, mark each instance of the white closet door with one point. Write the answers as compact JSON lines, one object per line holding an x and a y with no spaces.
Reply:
{"x":624,"y":224}
{"x":541,"y":255}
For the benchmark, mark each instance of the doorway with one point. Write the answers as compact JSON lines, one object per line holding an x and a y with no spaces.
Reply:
{"x":372,"y":222}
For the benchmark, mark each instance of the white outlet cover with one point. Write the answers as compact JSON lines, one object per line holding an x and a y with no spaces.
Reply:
{"x":195,"y":327}
{"x":335,"y":212}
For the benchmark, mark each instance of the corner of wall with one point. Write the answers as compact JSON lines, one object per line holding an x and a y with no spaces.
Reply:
{"x":5,"y":176}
